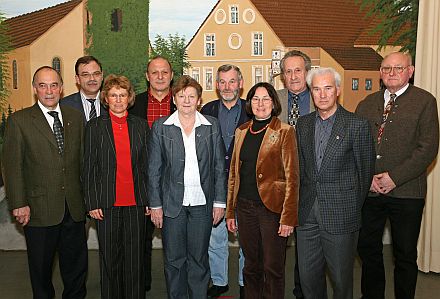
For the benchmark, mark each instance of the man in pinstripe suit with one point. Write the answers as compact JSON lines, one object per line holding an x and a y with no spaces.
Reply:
{"x":336,"y":155}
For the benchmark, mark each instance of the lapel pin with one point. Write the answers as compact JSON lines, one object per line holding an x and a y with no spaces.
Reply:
{"x":337,"y":137}
{"x":198,"y":135}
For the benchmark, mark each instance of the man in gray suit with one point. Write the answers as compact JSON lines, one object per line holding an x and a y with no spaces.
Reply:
{"x":404,"y":121}
{"x":336,"y":157}
{"x":295,"y":98}
{"x":42,"y":156}
{"x":88,"y":76}
{"x":295,"y":101}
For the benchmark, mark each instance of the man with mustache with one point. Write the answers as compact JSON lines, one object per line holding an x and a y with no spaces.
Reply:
{"x":295,"y":101}
{"x":152,"y":104}
{"x":88,"y":76}
{"x":229,"y":109}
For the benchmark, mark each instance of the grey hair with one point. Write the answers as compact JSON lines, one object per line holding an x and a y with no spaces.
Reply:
{"x":296,"y":53}
{"x":405,"y":54}
{"x":226,"y":68}
{"x":323,"y":71}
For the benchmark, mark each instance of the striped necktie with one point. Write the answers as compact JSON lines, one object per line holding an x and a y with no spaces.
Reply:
{"x":92,"y":113}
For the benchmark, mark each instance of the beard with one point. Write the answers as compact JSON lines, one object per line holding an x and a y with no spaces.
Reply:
{"x":228,"y":97}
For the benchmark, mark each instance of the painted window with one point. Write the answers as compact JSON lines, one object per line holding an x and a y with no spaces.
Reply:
{"x":210,"y":44}
{"x":14,"y":74}
{"x":116,"y":20}
{"x":368,"y":84}
{"x":209,"y":78}
{"x":257,"y":71}
{"x":56,"y":64}
{"x":257,"y":43}
{"x":355,"y":84}
{"x":1,"y":78}
{"x":195,"y":74}
{"x":233,"y":14}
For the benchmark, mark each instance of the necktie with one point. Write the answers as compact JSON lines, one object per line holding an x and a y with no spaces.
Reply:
{"x":385,"y":114}
{"x":58,"y":131}
{"x":92,"y":113}
{"x":294,"y":110}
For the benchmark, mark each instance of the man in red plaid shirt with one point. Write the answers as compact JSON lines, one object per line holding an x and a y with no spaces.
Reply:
{"x":152,"y":104}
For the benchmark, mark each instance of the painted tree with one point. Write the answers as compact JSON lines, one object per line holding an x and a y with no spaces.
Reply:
{"x":395,"y":16}
{"x":4,"y":49}
{"x":117,"y":34}
{"x":174,"y":49}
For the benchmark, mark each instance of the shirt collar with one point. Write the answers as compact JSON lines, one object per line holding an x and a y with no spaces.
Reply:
{"x":45,"y":110}
{"x":397,"y":93}
{"x":236,"y":106}
{"x":173,"y":119}
{"x":84,"y":97}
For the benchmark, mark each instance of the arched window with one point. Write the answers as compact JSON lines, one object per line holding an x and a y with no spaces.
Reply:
{"x":56,"y":64}
{"x":116,"y":20}
{"x":14,"y":74}
{"x":1,"y":77}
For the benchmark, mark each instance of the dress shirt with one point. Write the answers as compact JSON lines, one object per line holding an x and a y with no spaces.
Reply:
{"x":387,"y":93}
{"x":49,"y":118}
{"x":303,"y":102}
{"x":193,"y":193}
{"x":86,"y":104}
{"x":323,"y":129}
{"x":228,"y":119}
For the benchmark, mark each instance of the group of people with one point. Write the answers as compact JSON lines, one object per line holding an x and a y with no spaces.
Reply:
{"x":278,"y":163}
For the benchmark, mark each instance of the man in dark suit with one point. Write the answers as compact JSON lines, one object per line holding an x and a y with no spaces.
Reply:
{"x":295,"y":101}
{"x":42,"y":156}
{"x":88,"y":76}
{"x":151,"y":105}
{"x":404,"y":121}
{"x":230,"y":111}
{"x":336,"y":157}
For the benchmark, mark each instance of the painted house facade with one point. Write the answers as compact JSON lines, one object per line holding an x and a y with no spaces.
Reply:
{"x":255,"y":35}
{"x":53,"y":36}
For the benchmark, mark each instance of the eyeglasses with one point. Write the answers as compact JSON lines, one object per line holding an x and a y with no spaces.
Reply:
{"x":89,"y":75}
{"x":265,"y":100}
{"x":118,"y":96}
{"x":396,"y":69}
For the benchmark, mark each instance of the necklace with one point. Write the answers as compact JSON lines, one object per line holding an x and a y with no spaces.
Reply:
{"x":259,"y":131}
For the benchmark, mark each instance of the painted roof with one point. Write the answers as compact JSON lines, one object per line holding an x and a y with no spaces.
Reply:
{"x":25,"y":29}
{"x":313,"y":23}
{"x":354,"y":58}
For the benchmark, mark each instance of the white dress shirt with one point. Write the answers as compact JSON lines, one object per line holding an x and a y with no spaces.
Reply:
{"x":193,"y":193}
{"x":87,"y":106}
{"x":50,"y":118}
{"x":387,"y":94}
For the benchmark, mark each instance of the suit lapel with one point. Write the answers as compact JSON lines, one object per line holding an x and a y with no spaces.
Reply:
{"x":336,"y":137}
{"x":67,"y":127}
{"x":271,"y":137}
{"x":308,"y":133}
{"x":109,"y":131}
{"x":40,"y":122}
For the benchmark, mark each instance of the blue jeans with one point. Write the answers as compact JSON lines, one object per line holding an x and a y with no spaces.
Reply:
{"x":218,"y":256}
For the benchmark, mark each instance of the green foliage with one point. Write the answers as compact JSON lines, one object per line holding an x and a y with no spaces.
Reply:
{"x":396,"y":16}
{"x":123,"y":52}
{"x":4,"y":75}
{"x":173,"y":48}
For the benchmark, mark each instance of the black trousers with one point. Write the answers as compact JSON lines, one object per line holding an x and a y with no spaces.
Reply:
{"x":121,"y":237}
{"x":405,"y":217}
{"x":68,"y":239}
{"x":149,"y":226}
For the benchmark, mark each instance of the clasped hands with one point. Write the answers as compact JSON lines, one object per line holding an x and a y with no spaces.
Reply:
{"x":157,"y":216}
{"x":382,"y":183}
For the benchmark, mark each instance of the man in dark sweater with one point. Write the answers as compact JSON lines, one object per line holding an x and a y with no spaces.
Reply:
{"x":230,"y":111}
{"x":404,"y":121}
